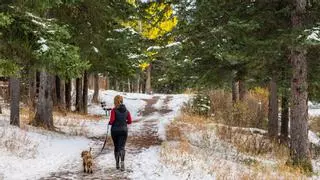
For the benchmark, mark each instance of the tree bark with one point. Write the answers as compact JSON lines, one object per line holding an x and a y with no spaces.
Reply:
{"x":85,"y":92}
{"x":138,"y":84}
{"x":32,"y":90}
{"x":117,"y":85}
{"x":68,"y":87}
{"x":273,"y":109}
{"x":54,"y":92}
{"x":129,"y":85}
{"x":299,"y":143}
{"x":107,"y":82}
{"x":58,"y":91}
{"x":14,"y":101}
{"x":148,"y":81}
{"x":235,"y":91}
{"x":44,"y":108}
{"x":62,"y":100}
{"x":96,"y":89}
{"x":284,"y":117}
{"x":91,"y":81}
{"x":79,"y":99}
{"x":242,"y":90}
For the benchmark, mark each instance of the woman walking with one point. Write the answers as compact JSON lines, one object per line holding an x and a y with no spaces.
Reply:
{"x":119,"y":119}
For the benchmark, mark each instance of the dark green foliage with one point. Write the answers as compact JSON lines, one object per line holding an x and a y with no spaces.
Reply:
{"x":200,"y":105}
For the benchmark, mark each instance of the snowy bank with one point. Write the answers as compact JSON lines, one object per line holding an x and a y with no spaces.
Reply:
{"x":31,"y":155}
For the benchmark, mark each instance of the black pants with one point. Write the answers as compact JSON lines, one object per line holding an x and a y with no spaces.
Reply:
{"x":119,"y":140}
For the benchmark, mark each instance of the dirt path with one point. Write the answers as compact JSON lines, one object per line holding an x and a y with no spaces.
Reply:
{"x":147,"y":137}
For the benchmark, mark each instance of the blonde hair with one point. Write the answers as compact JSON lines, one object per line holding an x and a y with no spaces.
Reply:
{"x":118,"y":100}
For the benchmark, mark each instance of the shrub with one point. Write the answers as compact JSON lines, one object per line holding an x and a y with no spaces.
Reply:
{"x":199,"y":104}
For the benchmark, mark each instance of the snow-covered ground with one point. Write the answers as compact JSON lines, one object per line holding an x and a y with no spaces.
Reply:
{"x":31,"y":153}
{"x":34,"y":153}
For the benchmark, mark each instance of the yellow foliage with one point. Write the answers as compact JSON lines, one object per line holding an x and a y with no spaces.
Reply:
{"x":144,"y":66}
{"x":133,"y":2}
{"x":260,"y":93}
{"x":158,"y":21}
{"x":150,"y":53}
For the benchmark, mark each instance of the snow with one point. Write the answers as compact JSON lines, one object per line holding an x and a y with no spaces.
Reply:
{"x":33,"y":16}
{"x":133,"y":101}
{"x":133,"y":56}
{"x":39,"y":23}
{"x":175,"y":105}
{"x":43,"y":46}
{"x":314,"y":109}
{"x":154,"y":48}
{"x":149,"y":166}
{"x":174,"y":44}
{"x":31,"y":153}
{"x":314,"y":112}
{"x":96,"y":50}
{"x":313,"y":138}
{"x":36,"y":156}
{"x":314,"y":34}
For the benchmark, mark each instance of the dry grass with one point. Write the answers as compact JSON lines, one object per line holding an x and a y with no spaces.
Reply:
{"x":256,"y":156}
{"x":17,"y":142}
{"x":252,"y":143}
{"x":250,"y":113}
{"x":68,"y":122}
{"x":315,"y":123}
{"x":173,"y":132}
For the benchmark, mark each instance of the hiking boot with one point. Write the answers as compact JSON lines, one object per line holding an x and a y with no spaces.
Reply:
{"x":122,"y":154}
{"x":117,"y":157}
{"x":122,"y":166}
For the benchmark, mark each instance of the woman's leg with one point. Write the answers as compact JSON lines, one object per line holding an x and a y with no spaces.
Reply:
{"x":115,"y":139}
{"x":122,"y":141}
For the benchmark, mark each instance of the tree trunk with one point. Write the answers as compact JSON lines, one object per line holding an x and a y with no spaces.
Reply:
{"x":129,"y":85}
{"x":284,"y":117}
{"x":122,"y":86}
{"x":14,"y":101}
{"x":117,"y":86}
{"x":273,"y":109}
{"x":138,"y":84}
{"x":235,"y":91}
{"x":54,"y":92}
{"x":32,"y":90}
{"x":299,"y":143}
{"x":79,"y":99}
{"x":44,"y":108}
{"x":85,"y":92}
{"x":58,"y":91}
{"x":96,"y":89}
{"x":62,"y":100}
{"x":91,"y":81}
{"x":107,"y":81}
{"x":148,"y":81}
{"x":68,"y":87}
{"x":242,"y":90}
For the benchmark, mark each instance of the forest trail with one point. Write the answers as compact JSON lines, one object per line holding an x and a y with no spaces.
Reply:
{"x":136,"y":143}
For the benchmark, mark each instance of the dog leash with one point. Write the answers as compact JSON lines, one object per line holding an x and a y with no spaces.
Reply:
{"x":104,"y":144}
{"x":105,"y":141}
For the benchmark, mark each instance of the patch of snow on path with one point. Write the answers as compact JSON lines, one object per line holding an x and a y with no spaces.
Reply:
{"x":50,"y":153}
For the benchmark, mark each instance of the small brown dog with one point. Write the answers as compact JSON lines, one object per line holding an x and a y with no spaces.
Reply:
{"x":87,"y":161}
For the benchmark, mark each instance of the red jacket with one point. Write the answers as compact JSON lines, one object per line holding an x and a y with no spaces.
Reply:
{"x":113,"y":117}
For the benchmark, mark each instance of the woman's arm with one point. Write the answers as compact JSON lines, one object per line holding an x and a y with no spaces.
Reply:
{"x":112,"y":116}
{"x":129,"y":119}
